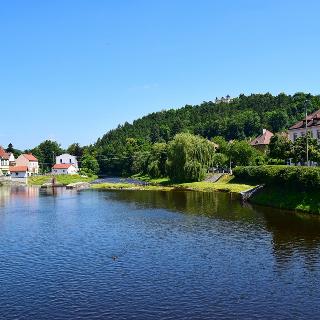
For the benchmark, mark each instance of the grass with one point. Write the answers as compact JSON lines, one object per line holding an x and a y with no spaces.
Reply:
{"x":129,"y":186}
{"x":61,"y":179}
{"x":227,"y":184}
{"x":285,"y":198}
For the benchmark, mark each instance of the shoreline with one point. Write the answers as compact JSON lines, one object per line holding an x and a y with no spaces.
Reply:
{"x":269,"y":196}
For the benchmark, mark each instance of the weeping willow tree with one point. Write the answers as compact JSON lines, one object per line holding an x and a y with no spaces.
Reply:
{"x":189,"y":157}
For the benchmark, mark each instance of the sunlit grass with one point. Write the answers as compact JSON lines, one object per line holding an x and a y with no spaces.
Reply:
{"x":64,"y":179}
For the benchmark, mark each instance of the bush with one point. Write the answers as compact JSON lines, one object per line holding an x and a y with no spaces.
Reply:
{"x":286,"y":176}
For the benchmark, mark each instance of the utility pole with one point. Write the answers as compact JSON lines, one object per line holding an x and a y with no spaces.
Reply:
{"x":307,"y":142}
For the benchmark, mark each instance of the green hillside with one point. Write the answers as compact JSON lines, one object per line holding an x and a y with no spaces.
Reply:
{"x":242,"y":118}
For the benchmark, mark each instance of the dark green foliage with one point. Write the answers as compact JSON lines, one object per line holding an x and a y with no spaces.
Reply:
{"x":76,"y":150}
{"x":280,"y":147}
{"x":89,"y":164}
{"x":242,"y":118}
{"x":46,"y":153}
{"x":301,"y":178}
{"x":189,"y":157}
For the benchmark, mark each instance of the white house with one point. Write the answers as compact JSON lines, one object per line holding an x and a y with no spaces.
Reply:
{"x":313,"y":127}
{"x":64,"y":168}
{"x":67,"y":159}
{"x":30,"y":161}
{"x":19,"y":172}
{"x":5,"y":159}
{"x":311,"y":124}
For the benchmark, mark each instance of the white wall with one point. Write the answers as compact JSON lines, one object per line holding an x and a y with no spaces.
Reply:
{"x":19,"y":174}
{"x":315,"y":132}
{"x":67,"y":159}
{"x":70,"y":170}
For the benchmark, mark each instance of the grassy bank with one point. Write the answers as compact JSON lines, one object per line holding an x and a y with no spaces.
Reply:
{"x":226,"y":184}
{"x":129,"y":186}
{"x":286,"y":198}
{"x":61,"y":179}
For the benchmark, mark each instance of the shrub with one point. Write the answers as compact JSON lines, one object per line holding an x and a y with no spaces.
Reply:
{"x":286,"y":176}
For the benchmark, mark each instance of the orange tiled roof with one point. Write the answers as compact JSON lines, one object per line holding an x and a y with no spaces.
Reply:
{"x":4,"y":154}
{"x":30,"y":157}
{"x":62,"y":166}
{"x":263,"y":139}
{"x":18,"y":169}
{"x":313,"y":119}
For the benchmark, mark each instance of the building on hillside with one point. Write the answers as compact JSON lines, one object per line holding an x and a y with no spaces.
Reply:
{"x":19,"y":172}
{"x":64,"y":168}
{"x":6,"y":159}
{"x":67,"y":159}
{"x":311,"y":124}
{"x":262,"y":142}
{"x":226,"y":99}
{"x":313,"y":127}
{"x":30,"y":161}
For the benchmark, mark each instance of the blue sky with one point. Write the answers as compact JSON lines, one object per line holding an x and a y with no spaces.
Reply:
{"x":70,"y":70}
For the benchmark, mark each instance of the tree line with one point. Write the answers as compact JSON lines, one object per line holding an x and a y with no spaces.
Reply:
{"x":183,"y":143}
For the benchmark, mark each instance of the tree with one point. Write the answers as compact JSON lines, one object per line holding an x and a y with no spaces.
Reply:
{"x":189,"y":157}
{"x":241,"y":153}
{"x":299,"y":150}
{"x":278,"y":120}
{"x":76,"y":150}
{"x":89,"y":164}
{"x":46,"y":152}
{"x":10,"y":148}
{"x":280,"y":147}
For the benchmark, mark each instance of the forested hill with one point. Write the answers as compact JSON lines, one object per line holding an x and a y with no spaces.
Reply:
{"x":242,"y":118}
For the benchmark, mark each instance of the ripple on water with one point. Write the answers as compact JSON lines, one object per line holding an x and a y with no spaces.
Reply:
{"x":142,"y":255}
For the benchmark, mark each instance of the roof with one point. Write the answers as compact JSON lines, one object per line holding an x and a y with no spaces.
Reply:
{"x":30,"y":157}
{"x":18,"y":169}
{"x":313,"y":119}
{"x":4,"y":154}
{"x":263,"y":139}
{"x":62,"y":166}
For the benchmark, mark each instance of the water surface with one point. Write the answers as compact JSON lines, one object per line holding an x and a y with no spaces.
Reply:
{"x":150,"y":254}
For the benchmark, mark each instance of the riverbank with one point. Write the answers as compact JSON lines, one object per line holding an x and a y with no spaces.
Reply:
{"x":286,"y":198}
{"x":225,"y":184}
{"x":62,"y":179}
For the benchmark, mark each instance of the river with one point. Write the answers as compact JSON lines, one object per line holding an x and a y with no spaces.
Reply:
{"x":154,"y":255}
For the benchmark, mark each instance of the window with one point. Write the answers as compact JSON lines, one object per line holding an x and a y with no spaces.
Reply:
{"x":60,"y":160}
{"x":70,"y":160}
{"x":302,"y":134}
{"x":16,"y":173}
{"x":318,"y":134}
{"x":295,"y":136}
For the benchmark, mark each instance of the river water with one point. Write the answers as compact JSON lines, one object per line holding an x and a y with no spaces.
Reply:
{"x":154,"y":255}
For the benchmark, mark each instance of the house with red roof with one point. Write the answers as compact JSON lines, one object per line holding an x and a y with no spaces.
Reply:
{"x":64,"y":168}
{"x":6,"y":158}
{"x":29,"y":160}
{"x":262,"y":142}
{"x":313,"y":127}
{"x":19,"y":172}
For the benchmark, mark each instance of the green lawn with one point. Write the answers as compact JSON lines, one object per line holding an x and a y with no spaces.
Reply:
{"x":226,"y":183}
{"x":284,"y":198}
{"x":129,"y":186}
{"x":61,"y":179}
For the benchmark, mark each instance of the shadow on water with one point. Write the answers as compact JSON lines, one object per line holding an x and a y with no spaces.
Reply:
{"x":289,"y":231}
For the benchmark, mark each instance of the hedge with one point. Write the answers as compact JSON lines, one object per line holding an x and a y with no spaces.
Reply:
{"x":286,"y":176}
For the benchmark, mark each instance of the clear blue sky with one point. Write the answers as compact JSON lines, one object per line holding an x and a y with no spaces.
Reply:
{"x":70,"y":70}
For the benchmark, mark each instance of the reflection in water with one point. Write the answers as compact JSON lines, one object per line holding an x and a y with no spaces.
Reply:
{"x":290,"y":232}
{"x":148,"y":254}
